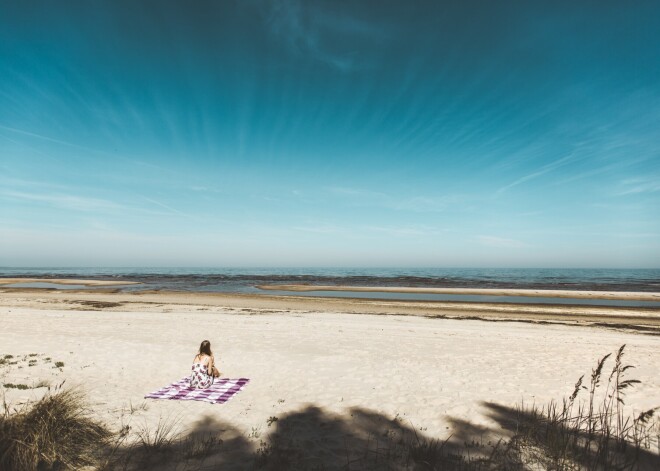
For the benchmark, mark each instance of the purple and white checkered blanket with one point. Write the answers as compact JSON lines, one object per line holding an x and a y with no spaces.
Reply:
{"x":220,"y":391}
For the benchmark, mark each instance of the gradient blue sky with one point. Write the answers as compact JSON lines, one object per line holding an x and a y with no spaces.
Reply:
{"x":328,"y":133}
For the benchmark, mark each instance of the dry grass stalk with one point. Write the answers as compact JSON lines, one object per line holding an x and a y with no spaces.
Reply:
{"x":599,"y":434}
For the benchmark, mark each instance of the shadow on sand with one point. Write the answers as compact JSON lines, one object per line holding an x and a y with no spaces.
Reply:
{"x":362,"y":439}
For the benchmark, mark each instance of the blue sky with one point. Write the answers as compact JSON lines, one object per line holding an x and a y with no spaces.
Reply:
{"x":327,"y":133}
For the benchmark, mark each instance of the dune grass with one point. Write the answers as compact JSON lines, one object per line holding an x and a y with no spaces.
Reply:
{"x":595,"y":433}
{"x":56,"y":432}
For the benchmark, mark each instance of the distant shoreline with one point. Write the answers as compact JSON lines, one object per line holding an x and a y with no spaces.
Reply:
{"x":613,"y":295}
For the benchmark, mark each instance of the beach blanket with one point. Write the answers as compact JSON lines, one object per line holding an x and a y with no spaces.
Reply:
{"x":220,"y":391}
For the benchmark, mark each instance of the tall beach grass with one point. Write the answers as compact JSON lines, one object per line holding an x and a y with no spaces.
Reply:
{"x":56,"y":432}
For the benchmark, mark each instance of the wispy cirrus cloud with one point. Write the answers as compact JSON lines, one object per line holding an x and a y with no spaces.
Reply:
{"x":632,"y":186}
{"x":22,"y":133}
{"x":547,"y":168}
{"x":326,"y":35}
{"x":419,"y":204}
{"x":62,"y":198}
{"x":320,"y":228}
{"x":31,"y":148}
{"x":500,"y":242}
{"x":423,"y":204}
{"x":31,"y":185}
{"x":64,"y":201}
{"x":164,"y":206}
{"x":55,"y":195}
{"x":45,"y":138}
{"x":407,"y":230}
{"x":367,"y":230}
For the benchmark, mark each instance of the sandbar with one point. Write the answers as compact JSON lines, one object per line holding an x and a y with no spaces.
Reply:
{"x":66,"y":281}
{"x":547,"y":293}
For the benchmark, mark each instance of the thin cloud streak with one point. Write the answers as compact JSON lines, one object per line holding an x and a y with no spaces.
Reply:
{"x":501,"y":242}
{"x":46,"y":138}
{"x":32,"y":149}
{"x":366,"y":230}
{"x":307,"y":30}
{"x":542,"y":171}
{"x":639,"y":185}
{"x":165,"y":206}
{"x":65,"y":201}
{"x":416,"y":204}
{"x":84,"y":204}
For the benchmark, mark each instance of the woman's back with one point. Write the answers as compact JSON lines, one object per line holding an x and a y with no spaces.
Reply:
{"x":201,"y":358}
{"x":200,"y":377}
{"x":203,"y":368}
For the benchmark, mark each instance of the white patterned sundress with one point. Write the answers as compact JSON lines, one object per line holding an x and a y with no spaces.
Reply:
{"x":199,"y":378}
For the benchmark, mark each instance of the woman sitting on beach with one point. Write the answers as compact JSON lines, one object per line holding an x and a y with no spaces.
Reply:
{"x":203,"y":368}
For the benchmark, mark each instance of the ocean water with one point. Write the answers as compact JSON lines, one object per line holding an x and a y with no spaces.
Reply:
{"x":245,"y":280}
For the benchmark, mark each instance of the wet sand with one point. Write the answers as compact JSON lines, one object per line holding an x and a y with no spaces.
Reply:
{"x":545,"y":293}
{"x":65,"y":281}
{"x":113,"y":299}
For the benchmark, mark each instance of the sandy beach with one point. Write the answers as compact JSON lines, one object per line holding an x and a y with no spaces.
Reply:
{"x":415,"y":365}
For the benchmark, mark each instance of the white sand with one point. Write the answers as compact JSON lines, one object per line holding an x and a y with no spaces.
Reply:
{"x":425,"y":370}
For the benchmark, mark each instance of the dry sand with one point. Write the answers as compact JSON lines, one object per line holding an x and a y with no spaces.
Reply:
{"x":431,"y":372}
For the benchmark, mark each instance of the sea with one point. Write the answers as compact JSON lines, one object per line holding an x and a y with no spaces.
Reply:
{"x":247,"y":280}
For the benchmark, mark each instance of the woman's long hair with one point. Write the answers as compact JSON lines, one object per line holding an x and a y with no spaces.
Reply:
{"x":205,"y":348}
